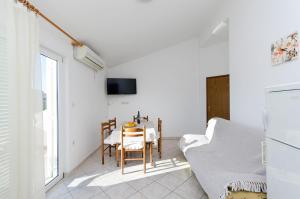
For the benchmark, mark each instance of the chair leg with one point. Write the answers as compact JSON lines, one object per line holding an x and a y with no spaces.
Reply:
{"x":144,"y":159}
{"x":125,"y":156}
{"x":122,"y":161}
{"x":102,"y":152}
{"x":160,"y":148}
{"x":109,"y":150}
{"x":151,"y":154}
{"x":117,"y":154}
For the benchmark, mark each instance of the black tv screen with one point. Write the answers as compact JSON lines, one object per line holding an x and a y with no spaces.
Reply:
{"x":121,"y":86}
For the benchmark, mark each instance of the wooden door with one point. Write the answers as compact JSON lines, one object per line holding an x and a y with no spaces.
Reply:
{"x":217,"y":96}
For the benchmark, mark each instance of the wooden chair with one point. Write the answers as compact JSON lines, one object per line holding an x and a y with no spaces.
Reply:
{"x":134,"y":145}
{"x":159,"y":143}
{"x":113,"y":123}
{"x":106,"y":139}
{"x":143,"y":118}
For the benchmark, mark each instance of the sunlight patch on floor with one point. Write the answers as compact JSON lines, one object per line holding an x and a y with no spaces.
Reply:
{"x":80,"y":180}
{"x":132,"y":172}
{"x":136,"y":172}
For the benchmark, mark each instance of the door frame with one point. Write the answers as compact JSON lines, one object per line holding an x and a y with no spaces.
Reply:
{"x":52,"y":55}
{"x":212,"y":77}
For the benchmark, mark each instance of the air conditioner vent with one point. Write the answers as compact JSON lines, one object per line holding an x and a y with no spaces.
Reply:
{"x":88,"y":57}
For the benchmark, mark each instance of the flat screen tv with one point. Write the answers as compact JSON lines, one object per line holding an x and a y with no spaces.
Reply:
{"x":121,"y":86}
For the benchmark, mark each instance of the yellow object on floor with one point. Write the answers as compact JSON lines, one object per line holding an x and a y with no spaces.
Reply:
{"x":246,"y":195}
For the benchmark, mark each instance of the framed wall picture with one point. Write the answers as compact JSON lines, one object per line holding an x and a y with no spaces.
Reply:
{"x":286,"y":49}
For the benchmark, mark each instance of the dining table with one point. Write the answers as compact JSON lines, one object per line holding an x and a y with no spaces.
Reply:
{"x":151,"y":133}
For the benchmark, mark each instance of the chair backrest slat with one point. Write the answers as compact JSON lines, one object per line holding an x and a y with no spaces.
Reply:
{"x":113,"y":123}
{"x":105,"y":128}
{"x":133,"y":132}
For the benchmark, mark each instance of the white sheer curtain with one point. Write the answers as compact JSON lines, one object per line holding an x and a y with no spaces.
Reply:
{"x":21,"y":137}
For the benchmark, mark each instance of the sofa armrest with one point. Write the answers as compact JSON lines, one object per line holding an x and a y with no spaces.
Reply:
{"x":189,"y":141}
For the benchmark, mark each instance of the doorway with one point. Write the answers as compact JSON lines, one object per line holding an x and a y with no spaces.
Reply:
{"x":50,"y":63}
{"x":218,"y":97}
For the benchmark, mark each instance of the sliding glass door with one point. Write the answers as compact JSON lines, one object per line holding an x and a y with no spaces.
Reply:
{"x":52,"y":159}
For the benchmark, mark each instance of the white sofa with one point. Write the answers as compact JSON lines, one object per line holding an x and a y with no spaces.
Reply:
{"x":227,"y":158}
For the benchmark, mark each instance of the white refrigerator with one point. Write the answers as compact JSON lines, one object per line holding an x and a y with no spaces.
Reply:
{"x":282,"y":124}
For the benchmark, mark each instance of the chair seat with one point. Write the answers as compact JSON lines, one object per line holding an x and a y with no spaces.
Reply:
{"x":112,"y":139}
{"x":135,"y":145}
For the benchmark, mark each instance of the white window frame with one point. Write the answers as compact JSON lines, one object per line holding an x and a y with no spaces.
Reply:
{"x":52,"y":55}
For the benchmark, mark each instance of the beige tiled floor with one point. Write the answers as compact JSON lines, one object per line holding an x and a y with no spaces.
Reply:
{"x":170,"y":178}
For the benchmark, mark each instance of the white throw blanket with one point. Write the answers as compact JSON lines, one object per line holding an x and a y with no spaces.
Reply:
{"x":227,"y":157}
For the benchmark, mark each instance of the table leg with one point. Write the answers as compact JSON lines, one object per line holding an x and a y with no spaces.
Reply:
{"x":109,"y":150}
{"x":117,"y":154}
{"x":101,"y":150}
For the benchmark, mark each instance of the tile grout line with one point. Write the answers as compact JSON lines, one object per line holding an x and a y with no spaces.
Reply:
{"x":174,"y":193}
{"x":104,"y":192}
{"x":177,"y":185}
{"x":164,"y":186}
{"x":149,"y":185}
{"x":182,"y":184}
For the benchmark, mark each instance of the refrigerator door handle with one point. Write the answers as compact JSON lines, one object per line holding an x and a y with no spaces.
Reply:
{"x":263,"y":153}
{"x":265,"y":120}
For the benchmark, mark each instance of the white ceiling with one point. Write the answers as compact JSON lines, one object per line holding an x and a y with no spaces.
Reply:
{"x":221,"y":36}
{"x":123,"y":30}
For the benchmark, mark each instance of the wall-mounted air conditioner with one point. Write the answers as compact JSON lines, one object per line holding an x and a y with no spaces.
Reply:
{"x":88,"y":57}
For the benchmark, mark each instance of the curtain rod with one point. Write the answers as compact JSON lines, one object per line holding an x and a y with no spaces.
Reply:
{"x":32,"y":8}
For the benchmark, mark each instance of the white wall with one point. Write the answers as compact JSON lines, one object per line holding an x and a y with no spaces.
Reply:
{"x":254,"y":25}
{"x":171,"y":82}
{"x":213,"y":62}
{"x":170,"y":85}
{"x":84,"y":103}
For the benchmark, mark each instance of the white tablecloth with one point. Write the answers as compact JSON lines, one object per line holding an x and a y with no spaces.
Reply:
{"x":151,"y":135}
